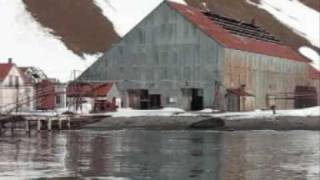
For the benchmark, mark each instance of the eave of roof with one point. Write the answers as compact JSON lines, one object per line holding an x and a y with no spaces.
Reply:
{"x":227,"y":40}
{"x":88,"y":89}
{"x":4,"y":70}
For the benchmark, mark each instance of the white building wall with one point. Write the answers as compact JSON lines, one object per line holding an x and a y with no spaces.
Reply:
{"x":12,"y":93}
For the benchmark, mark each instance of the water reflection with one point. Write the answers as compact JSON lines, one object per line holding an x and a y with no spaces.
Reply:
{"x":141,"y":154}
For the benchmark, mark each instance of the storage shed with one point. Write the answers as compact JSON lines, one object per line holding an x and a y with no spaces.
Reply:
{"x":181,"y":56}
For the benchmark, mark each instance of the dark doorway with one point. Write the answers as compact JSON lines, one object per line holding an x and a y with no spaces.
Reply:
{"x":305,"y":96}
{"x":197,"y":99}
{"x":144,"y":99}
{"x":233,"y":102}
{"x":155,"y":101}
{"x":139,"y":99}
{"x":134,"y":99}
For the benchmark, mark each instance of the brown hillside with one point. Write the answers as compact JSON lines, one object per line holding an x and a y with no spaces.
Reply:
{"x":315,"y":4}
{"x":241,"y":10}
{"x":79,"y":23}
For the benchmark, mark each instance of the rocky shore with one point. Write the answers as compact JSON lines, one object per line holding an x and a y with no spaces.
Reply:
{"x":208,"y":122}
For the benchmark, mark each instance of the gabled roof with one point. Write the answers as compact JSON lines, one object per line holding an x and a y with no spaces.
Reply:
{"x":4,"y":70}
{"x":89,"y":89}
{"x":228,"y":40}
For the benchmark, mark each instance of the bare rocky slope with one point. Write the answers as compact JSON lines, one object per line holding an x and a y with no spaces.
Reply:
{"x":79,"y":23}
{"x":83,"y":29}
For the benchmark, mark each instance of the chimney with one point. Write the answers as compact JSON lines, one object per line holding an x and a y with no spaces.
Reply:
{"x":9,"y":60}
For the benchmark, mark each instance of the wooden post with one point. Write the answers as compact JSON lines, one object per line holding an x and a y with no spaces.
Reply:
{"x":39,"y":125}
{"x":60,"y":123}
{"x":68,"y":123}
{"x":27,"y":125}
{"x":0,"y":128}
{"x":49,"y":124}
{"x":13,"y":125}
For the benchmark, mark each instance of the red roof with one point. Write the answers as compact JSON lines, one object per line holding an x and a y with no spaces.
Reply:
{"x":4,"y":70}
{"x":228,"y":40}
{"x":89,"y":89}
{"x":314,"y":73}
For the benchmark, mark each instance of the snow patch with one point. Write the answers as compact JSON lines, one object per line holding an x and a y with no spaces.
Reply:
{"x":128,"y":112}
{"x":125,"y":14}
{"x":208,"y":110}
{"x":312,"y":55}
{"x":302,"y":19}
{"x":30,"y":44}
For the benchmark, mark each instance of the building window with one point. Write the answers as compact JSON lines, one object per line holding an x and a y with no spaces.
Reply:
{"x":10,"y":80}
{"x":58,"y":99}
{"x":16,"y":81}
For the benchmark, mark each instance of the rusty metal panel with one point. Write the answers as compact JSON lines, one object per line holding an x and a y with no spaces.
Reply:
{"x":263,"y":75}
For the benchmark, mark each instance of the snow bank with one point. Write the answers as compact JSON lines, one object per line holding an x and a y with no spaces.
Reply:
{"x":208,"y":110}
{"x":302,"y":19}
{"x":313,"y":111}
{"x":128,"y":112}
{"x":125,"y":14}
{"x":30,"y":44}
{"x":312,"y":55}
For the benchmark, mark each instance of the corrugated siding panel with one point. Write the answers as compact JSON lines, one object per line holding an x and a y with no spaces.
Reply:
{"x":163,"y":54}
{"x":263,"y":74}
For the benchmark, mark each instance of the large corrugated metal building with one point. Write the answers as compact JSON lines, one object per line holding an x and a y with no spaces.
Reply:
{"x":180,"y":56}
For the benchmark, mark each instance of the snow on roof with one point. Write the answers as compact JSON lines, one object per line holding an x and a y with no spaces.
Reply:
{"x":228,"y":40}
{"x":312,"y":55}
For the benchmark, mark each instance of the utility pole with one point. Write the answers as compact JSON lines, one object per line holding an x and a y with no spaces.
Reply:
{"x":17,"y":94}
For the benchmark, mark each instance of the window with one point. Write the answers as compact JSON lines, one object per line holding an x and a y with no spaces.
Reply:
{"x":16,"y":83}
{"x":58,"y":99}
{"x":10,"y":80}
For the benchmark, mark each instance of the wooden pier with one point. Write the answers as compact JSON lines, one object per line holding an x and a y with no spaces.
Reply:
{"x":41,"y":123}
{"x":30,"y":123}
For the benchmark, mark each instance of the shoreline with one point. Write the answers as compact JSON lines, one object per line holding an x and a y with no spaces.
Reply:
{"x":207,"y":122}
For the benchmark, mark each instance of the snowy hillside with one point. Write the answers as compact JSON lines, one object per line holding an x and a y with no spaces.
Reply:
{"x":302,"y":19}
{"x":29,"y":44}
{"x":126,"y":14}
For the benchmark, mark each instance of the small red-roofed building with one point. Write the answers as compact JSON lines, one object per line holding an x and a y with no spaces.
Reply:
{"x":100,"y":97}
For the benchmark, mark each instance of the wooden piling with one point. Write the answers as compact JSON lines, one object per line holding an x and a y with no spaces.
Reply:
{"x":49,"y":126}
{"x":39,"y":125}
{"x":27,"y":126}
{"x":1,"y":128}
{"x":13,"y":125}
{"x":68,"y":122}
{"x":60,"y":123}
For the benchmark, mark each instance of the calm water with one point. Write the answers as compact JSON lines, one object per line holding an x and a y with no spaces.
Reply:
{"x":161,"y":155}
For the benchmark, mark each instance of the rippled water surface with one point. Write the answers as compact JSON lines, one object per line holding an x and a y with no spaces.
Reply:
{"x":161,"y":155}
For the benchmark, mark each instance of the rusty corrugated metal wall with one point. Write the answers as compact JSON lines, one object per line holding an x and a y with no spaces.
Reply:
{"x":263,"y":75}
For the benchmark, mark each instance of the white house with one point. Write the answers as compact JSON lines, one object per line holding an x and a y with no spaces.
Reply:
{"x":16,"y":94}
